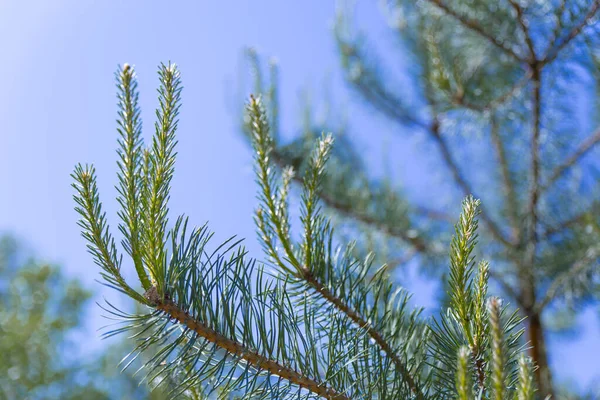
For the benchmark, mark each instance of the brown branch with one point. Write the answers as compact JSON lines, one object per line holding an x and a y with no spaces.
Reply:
{"x":364,"y":324}
{"x":525,"y":29}
{"x":508,"y":186}
{"x":558,"y":13}
{"x":240,"y":351}
{"x":388,"y":105}
{"x":498,"y":101}
{"x":527,"y":280}
{"x":556,"y":47}
{"x":579,"y":266}
{"x":560,"y":227}
{"x":475,"y":27}
{"x":534,"y":190}
{"x":587,"y":145}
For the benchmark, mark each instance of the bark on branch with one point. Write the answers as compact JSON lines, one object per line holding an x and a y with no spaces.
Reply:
{"x":238,"y":350}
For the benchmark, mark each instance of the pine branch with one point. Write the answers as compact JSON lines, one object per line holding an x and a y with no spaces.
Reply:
{"x":467,"y":323}
{"x":321,"y":325}
{"x":237,"y":349}
{"x":270,"y":222}
{"x":534,"y":194}
{"x":474,"y":26}
{"x":498,"y":101}
{"x":393,"y":108}
{"x":558,"y":45}
{"x":584,"y":147}
{"x":575,"y":221}
{"x":588,"y":261}
{"x":508,"y":186}
{"x":525,"y":28}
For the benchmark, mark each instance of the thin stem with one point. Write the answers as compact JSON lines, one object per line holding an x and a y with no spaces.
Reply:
{"x":579,"y":266}
{"x":498,"y":101}
{"x":364,"y":324}
{"x":586,"y":146}
{"x":523,"y":24}
{"x":556,"y":47}
{"x":476,"y":27}
{"x":535,"y":168}
{"x":240,"y":351}
{"x":560,"y":228}
{"x":508,"y":186}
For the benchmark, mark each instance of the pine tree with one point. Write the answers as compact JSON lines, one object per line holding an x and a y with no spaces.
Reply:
{"x":495,"y":90}
{"x":312,"y":320}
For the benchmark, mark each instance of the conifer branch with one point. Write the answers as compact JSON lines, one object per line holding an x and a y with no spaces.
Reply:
{"x":364,"y":324}
{"x":524,"y":27}
{"x":588,"y":261}
{"x":322,"y":325}
{"x":474,"y":26}
{"x":584,"y":147}
{"x":461,"y":266}
{"x":467,"y":320}
{"x":263,"y":146}
{"x":238,"y":350}
{"x":558,"y":45}
{"x":534,"y":190}
{"x":508,"y":186}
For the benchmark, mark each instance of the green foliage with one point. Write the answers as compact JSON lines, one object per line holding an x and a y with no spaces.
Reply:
{"x":315,"y":321}
{"x":492,"y":92}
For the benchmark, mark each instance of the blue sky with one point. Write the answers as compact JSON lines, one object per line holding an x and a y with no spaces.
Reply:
{"x":59,"y":108}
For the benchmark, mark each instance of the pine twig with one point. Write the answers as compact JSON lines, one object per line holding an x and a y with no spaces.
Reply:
{"x":254,"y":359}
{"x":556,"y":47}
{"x":523,"y":24}
{"x":590,"y":255}
{"x":364,"y":324}
{"x":586,"y":146}
{"x":508,"y":186}
{"x":477,"y":28}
